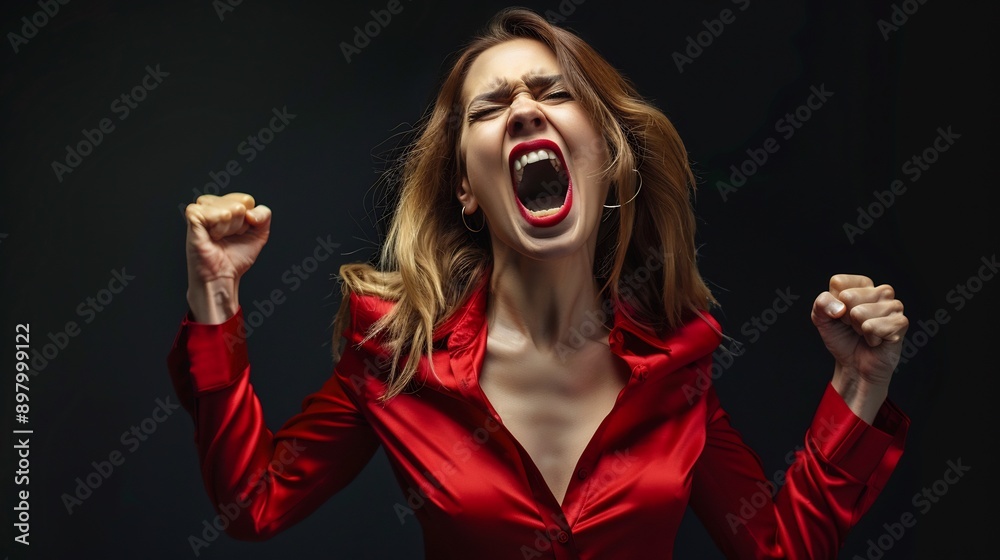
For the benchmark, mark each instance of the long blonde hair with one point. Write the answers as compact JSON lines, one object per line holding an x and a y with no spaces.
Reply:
{"x":430,"y":262}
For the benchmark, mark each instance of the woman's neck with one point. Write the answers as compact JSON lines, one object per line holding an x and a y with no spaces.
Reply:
{"x":540,"y":305}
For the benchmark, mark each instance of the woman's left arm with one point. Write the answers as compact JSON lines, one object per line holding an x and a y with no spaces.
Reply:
{"x":863,"y":326}
{"x":853,"y":445}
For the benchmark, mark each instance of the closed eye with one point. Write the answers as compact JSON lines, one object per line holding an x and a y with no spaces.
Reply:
{"x":482,"y":112}
{"x":477,"y":114}
{"x":558,"y":94}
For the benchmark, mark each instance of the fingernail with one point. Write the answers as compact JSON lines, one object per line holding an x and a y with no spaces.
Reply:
{"x":834,"y":307}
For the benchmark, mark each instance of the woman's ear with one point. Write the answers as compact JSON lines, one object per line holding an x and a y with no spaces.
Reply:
{"x":466,"y":197}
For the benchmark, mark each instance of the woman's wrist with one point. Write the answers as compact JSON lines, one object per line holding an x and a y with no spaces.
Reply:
{"x":863,"y":398}
{"x":214,"y":302}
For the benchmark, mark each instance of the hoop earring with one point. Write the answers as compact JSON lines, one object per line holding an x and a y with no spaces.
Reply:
{"x":467,"y":225}
{"x":633,"y":196}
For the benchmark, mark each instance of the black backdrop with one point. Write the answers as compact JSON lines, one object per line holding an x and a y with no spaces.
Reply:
{"x":66,"y":232}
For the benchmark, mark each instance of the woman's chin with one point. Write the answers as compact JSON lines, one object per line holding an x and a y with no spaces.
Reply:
{"x":564,"y":238}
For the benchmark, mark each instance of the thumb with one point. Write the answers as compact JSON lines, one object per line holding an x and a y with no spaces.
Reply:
{"x":827,"y":309}
{"x":259,"y":217}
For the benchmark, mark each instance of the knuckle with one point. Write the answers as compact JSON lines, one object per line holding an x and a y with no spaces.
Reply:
{"x":857,"y":314}
{"x":886,"y":291}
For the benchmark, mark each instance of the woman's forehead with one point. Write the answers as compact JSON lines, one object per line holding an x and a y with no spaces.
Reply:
{"x":510,"y":61}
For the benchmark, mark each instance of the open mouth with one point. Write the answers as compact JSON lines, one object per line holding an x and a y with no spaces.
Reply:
{"x":542,"y":183}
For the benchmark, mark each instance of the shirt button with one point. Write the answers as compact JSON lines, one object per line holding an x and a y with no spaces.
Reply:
{"x":618,"y":337}
{"x":641,"y":372}
{"x":582,"y":473}
{"x":563,"y":536}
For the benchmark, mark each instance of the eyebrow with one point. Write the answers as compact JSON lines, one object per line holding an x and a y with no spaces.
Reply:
{"x":504,"y":89}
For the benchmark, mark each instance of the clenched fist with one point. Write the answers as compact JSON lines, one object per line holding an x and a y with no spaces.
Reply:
{"x":225,"y":234}
{"x":863,"y":326}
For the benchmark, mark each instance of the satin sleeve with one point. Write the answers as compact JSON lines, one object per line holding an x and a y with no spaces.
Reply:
{"x":264,"y":482}
{"x":806,"y":511}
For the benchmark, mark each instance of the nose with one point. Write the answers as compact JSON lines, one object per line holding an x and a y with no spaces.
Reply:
{"x":525,"y":116}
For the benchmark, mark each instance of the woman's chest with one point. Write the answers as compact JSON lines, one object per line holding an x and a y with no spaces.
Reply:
{"x":554,"y":406}
{"x":511,"y":437}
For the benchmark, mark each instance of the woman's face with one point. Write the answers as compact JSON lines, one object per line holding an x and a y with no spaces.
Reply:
{"x":533,"y":159}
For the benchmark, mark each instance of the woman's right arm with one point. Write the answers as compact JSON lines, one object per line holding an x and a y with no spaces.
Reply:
{"x":261,"y":482}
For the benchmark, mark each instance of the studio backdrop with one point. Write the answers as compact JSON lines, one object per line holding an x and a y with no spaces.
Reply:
{"x":855,"y":137}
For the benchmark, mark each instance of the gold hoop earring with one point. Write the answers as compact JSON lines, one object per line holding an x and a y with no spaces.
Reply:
{"x":633,"y":196}
{"x":467,"y":225}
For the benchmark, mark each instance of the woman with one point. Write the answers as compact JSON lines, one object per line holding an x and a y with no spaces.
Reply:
{"x":532,"y":351}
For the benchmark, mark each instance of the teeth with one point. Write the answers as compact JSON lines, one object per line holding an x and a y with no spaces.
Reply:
{"x":543,"y":213}
{"x":532,"y":157}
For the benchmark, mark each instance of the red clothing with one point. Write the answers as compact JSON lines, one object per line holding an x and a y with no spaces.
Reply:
{"x":477,"y":494}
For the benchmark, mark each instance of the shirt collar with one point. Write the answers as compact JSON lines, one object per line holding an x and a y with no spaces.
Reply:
{"x":465,"y":334}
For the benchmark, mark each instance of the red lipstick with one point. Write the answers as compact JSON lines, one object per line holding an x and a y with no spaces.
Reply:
{"x":532,"y":146}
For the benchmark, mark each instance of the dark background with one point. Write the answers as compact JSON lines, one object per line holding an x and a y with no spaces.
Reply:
{"x":60,"y":240}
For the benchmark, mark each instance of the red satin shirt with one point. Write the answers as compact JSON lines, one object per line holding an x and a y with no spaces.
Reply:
{"x":666,"y":444}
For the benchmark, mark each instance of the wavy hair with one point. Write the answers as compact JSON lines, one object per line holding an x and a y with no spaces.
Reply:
{"x":430,"y":262}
